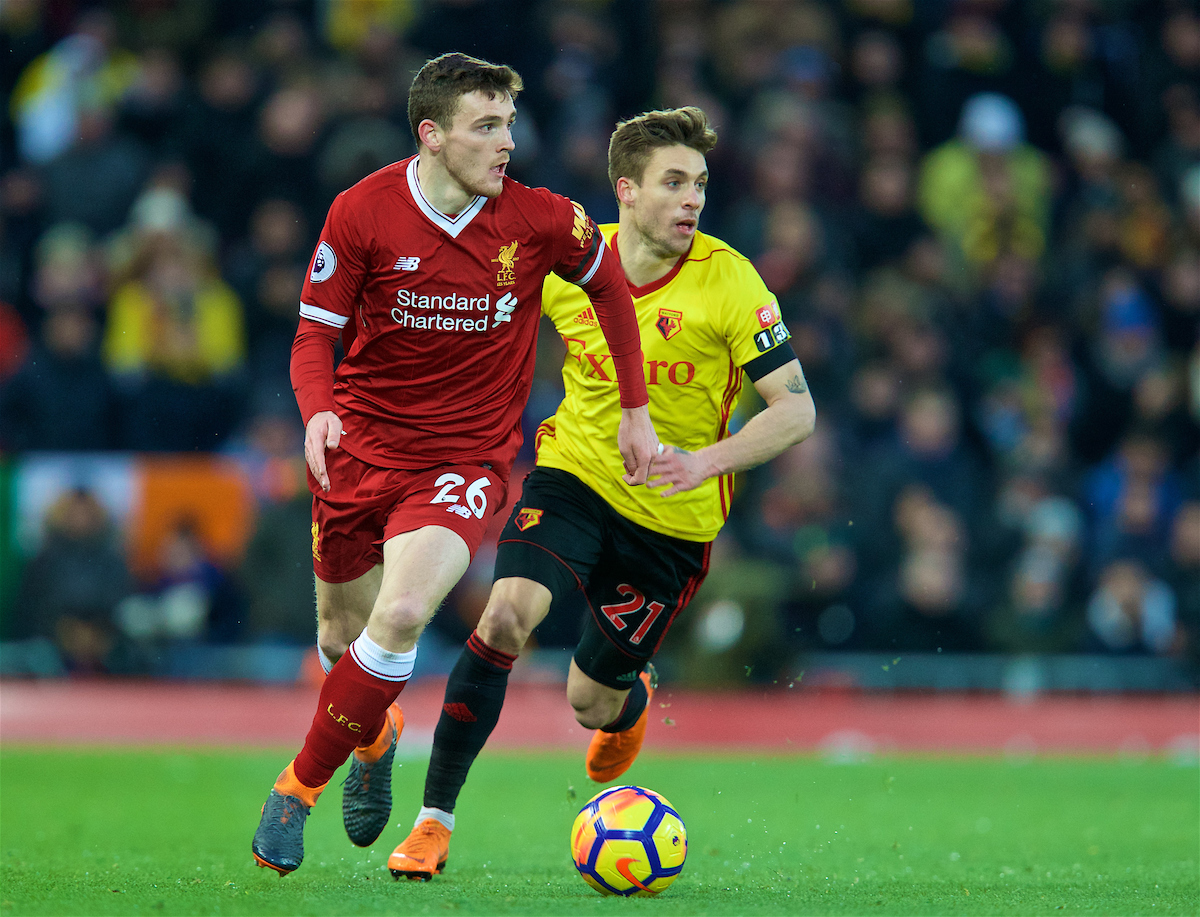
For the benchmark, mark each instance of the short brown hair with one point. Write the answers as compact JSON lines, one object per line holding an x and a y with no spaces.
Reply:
{"x":635,"y":140}
{"x":438,"y":85}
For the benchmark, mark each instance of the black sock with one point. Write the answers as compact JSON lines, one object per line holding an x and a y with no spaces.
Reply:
{"x":474,"y":696}
{"x":635,"y":703}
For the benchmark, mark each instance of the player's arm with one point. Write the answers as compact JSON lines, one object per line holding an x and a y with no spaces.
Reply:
{"x":789,"y":418}
{"x":312,"y":381}
{"x":326,"y":303}
{"x":605,"y":286}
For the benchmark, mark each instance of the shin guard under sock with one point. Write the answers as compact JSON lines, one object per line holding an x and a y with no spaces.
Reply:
{"x":474,"y":696}
{"x":354,"y":700}
{"x":635,"y":703}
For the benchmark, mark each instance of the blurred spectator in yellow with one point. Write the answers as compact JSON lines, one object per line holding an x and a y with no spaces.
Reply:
{"x":987,"y":192}
{"x":85,"y":71}
{"x":347,"y":26}
{"x":175,"y":338}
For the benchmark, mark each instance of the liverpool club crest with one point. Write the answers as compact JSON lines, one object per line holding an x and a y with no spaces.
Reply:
{"x":506,"y":258}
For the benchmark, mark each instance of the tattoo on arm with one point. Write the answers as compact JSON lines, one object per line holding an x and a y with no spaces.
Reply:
{"x":796,"y":385}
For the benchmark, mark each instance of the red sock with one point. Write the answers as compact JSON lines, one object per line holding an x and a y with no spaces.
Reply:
{"x":372,"y":733}
{"x":352,"y":703}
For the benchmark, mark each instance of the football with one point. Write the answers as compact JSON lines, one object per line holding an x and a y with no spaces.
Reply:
{"x":628,"y":841}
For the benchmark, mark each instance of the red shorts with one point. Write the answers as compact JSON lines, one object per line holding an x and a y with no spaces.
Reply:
{"x":366,"y":505}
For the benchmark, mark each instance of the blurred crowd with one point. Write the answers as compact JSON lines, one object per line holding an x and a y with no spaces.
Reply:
{"x":981,"y":219}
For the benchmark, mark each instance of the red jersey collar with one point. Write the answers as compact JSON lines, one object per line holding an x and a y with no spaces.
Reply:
{"x":452,"y":225}
{"x":638,"y":292}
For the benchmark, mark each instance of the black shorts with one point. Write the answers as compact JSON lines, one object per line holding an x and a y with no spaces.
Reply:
{"x":563,"y":535}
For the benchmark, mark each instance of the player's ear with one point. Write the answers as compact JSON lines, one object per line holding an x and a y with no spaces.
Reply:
{"x":431,"y":135}
{"x":626,"y":191}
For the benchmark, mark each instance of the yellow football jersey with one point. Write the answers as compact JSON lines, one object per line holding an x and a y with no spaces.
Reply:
{"x":700,"y":324}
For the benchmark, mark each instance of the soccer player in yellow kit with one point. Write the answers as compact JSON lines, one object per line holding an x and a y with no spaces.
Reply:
{"x":707,"y":320}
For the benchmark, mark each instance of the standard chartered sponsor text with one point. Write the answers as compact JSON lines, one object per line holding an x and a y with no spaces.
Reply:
{"x":434,"y":308}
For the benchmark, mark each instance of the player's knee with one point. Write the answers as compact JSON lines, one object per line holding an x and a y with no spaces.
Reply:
{"x":335,"y":633}
{"x":332,"y":646}
{"x":502,"y":627}
{"x":402,"y":617}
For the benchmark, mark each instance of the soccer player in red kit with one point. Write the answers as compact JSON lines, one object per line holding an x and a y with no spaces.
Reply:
{"x":430,"y":270}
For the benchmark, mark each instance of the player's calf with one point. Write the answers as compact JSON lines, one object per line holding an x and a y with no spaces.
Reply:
{"x":615,"y":747}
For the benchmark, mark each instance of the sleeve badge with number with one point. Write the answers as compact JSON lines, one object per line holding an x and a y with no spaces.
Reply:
{"x":774,"y":330}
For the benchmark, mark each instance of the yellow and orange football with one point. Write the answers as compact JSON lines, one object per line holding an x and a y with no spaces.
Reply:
{"x":628,"y":841}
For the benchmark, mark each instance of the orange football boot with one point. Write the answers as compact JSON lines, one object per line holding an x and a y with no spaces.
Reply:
{"x":423,"y":853}
{"x":610,"y":754}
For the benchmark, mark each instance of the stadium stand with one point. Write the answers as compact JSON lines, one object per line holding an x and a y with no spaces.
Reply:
{"x":982,"y":222}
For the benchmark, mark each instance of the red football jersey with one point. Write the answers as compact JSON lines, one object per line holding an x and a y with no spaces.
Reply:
{"x":445,"y":313}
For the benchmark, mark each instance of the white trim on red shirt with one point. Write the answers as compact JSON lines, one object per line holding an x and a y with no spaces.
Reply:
{"x":591,"y":271}
{"x":452,"y":226}
{"x":324,"y":316}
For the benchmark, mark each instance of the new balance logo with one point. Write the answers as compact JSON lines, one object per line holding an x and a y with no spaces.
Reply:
{"x":404,"y":263}
{"x":460,"y":712}
{"x":504,"y":309}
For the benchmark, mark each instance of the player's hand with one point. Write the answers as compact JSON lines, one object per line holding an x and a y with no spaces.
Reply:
{"x":638,"y":443}
{"x":324,"y":431}
{"x":678,"y":470}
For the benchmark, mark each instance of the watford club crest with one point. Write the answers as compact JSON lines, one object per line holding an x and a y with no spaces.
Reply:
{"x":528,"y":518}
{"x":669,"y":322}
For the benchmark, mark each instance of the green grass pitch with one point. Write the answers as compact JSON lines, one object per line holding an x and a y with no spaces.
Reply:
{"x":168,"y":832}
